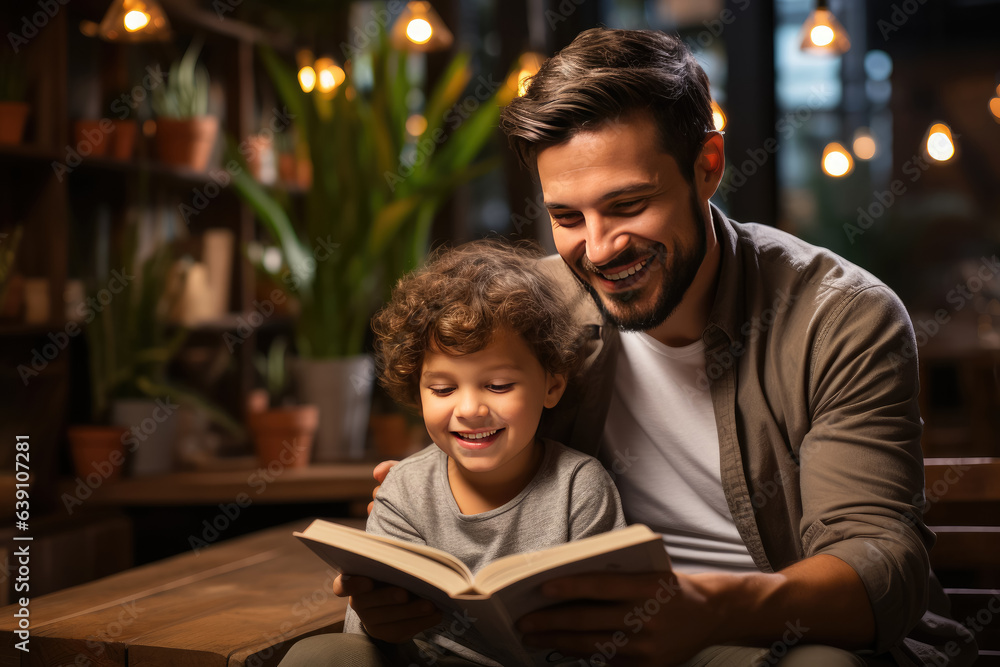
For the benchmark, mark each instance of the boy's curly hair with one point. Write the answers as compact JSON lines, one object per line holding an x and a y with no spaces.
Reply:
{"x":459,"y":300}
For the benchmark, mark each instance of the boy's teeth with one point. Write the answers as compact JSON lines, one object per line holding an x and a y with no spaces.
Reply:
{"x":626,"y":273}
{"x":478,"y":436}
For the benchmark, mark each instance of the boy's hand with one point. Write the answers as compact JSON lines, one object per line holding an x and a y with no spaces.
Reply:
{"x":388,"y":613}
{"x":379,"y":473}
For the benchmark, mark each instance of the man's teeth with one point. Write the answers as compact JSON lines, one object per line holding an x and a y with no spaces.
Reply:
{"x":626,"y":273}
{"x":478,"y":436}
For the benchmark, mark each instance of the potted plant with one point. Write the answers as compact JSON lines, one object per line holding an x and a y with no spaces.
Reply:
{"x":129,"y":348}
{"x":121,"y":143}
{"x":185,"y":133}
{"x":375,"y":191}
{"x":282,"y":430}
{"x":13,"y":107}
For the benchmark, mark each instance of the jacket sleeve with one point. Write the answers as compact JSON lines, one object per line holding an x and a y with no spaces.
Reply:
{"x":862,"y":479}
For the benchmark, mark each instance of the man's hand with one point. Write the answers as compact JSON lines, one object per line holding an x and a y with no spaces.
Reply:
{"x":387,"y":612}
{"x":660,"y":618}
{"x":665,"y":618}
{"x":379,"y":473}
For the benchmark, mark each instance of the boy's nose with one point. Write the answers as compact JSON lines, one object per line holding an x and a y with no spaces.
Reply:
{"x":471,"y":406}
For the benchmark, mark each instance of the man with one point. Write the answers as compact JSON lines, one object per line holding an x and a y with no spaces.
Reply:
{"x":745,"y":395}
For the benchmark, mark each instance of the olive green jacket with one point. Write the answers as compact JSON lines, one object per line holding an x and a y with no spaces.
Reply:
{"x":811,"y":365}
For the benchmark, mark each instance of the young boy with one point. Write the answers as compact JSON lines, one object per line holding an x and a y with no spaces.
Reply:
{"x":480,"y":343}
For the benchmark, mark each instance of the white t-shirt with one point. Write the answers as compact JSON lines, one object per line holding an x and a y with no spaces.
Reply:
{"x":661,"y":445}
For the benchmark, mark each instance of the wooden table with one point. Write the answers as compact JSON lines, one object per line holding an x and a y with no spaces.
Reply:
{"x":238,"y":603}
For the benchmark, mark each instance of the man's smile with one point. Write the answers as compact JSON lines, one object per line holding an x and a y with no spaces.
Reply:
{"x":621,"y":275}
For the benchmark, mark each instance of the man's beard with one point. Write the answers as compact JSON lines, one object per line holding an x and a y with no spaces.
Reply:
{"x":677,"y":277}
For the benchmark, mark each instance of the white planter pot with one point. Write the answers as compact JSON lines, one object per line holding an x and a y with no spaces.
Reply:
{"x":342,"y":389}
{"x":153,"y":422}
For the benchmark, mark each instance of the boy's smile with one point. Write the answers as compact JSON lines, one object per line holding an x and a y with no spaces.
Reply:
{"x":482,"y":409}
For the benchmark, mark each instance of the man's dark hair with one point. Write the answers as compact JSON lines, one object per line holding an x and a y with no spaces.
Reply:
{"x":606,"y":75}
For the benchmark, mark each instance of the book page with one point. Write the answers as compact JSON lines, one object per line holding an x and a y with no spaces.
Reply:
{"x":384,"y":559}
{"x":517,"y":578}
{"x":440,"y":556}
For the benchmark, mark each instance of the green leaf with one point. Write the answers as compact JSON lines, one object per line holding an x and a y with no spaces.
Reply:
{"x":446,"y":92}
{"x":270,"y":212}
{"x":286,"y":81}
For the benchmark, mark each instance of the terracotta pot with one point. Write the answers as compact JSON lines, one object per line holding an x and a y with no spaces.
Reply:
{"x":98,"y":452}
{"x":123,"y":139}
{"x":391,"y":436}
{"x":186,"y":142}
{"x":284,"y":436}
{"x":91,"y":138}
{"x":14,"y":298}
{"x":260,"y":158}
{"x":286,"y":169}
{"x":13,"y":116}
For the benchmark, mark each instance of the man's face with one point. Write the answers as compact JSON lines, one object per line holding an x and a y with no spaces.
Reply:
{"x":625,"y":220}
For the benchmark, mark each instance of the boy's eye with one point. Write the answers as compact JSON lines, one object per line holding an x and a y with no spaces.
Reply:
{"x":500,"y":388}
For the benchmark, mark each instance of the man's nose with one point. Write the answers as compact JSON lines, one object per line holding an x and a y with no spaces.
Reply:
{"x":605,"y":240}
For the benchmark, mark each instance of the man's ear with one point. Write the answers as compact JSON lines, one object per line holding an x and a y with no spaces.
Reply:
{"x":555,"y":385}
{"x":710,"y":165}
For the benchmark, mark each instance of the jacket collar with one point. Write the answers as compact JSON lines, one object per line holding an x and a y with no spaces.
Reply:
{"x":729,"y":306}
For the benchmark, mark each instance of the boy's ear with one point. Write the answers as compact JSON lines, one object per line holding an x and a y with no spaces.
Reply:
{"x":555,"y":385}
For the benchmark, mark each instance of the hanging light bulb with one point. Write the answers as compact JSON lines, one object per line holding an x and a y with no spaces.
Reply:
{"x":307,"y":74}
{"x":718,"y":117}
{"x":419,"y":28}
{"x":995,"y":106}
{"x":307,"y":78}
{"x":864,"y":144}
{"x":939,"y":143}
{"x":329,"y":75}
{"x":527,"y":66}
{"x":416,"y":125}
{"x":131,"y":21}
{"x":419,"y":31}
{"x":136,"y":20}
{"x":823,"y":34}
{"x":837,"y":161}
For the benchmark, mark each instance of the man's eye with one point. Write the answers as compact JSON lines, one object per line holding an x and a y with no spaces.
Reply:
{"x":566,"y":219}
{"x":630,"y":204}
{"x":500,"y":388}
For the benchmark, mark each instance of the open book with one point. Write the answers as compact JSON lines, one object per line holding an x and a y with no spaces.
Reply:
{"x":502,"y":591}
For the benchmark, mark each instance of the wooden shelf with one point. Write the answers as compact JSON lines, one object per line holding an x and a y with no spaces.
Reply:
{"x":344,"y":482}
{"x":22,"y":152}
{"x":14,"y":328}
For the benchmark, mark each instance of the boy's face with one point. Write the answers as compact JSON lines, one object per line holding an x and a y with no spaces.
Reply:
{"x":483,"y":408}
